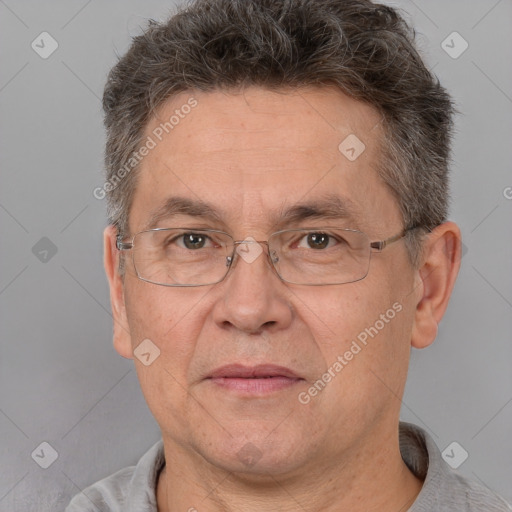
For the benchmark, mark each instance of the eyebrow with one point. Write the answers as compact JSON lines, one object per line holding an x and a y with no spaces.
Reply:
{"x":182,"y":206}
{"x":329,"y":206}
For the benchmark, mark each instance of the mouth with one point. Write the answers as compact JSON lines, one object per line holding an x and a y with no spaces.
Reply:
{"x":254,"y":380}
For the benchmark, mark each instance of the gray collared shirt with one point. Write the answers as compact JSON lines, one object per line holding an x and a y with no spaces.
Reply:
{"x":133,"y":489}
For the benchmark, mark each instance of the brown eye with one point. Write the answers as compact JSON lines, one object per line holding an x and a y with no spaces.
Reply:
{"x":316,"y":241}
{"x":190,"y":241}
{"x":193,"y":240}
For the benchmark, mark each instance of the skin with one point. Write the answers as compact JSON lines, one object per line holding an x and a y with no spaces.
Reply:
{"x":248,"y":153}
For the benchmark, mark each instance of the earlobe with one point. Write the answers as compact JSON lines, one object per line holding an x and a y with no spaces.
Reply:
{"x":436,"y":279}
{"x":122,"y":338}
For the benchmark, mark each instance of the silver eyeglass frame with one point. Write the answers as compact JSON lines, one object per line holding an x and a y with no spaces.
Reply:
{"x":376,"y":246}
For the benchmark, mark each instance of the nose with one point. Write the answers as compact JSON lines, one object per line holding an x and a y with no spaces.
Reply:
{"x":253,"y":296}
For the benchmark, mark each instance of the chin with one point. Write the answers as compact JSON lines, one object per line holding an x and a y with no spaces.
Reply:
{"x":256,"y":455}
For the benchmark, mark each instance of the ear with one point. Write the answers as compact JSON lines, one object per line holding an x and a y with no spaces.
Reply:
{"x":435,"y":280}
{"x":122,"y":338}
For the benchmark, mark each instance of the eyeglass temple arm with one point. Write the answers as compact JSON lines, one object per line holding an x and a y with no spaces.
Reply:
{"x":381,"y":244}
{"x":123,"y":246}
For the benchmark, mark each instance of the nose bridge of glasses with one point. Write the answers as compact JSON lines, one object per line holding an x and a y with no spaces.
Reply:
{"x":251,"y":255}
{"x":250,"y":241}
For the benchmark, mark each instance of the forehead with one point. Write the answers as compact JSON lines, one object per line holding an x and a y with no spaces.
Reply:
{"x":249,"y":120}
{"x":255,"y":153}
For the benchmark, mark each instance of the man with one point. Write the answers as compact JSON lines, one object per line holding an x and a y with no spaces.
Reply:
{"x":277,"y":185}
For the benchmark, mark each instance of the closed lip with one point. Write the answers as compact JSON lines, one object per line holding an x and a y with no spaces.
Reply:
{"x":240,"y":371}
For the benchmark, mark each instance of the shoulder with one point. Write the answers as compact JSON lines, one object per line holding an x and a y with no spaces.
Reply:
{"x":107,"y":495}
{"x":130,"y":487}
{"x":444,"y":489}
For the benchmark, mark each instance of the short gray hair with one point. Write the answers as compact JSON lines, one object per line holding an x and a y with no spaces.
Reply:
{"x":367,"y":50}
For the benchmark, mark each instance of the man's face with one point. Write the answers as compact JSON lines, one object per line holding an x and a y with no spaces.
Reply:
{"x":251,"y":156}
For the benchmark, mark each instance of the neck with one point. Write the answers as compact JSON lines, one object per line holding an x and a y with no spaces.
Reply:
{"x":372,"y":477}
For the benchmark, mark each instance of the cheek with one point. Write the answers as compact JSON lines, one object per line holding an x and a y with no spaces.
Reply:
{"x":170,"y":321}
{"x":368,"y":331}
{"x":336,"y":314}
{"x":169,"y":318}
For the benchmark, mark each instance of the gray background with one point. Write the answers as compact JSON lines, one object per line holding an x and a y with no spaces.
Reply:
{"x":61,"y":380}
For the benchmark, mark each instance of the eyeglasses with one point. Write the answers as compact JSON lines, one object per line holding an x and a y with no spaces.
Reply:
{"x":200,"y":257}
